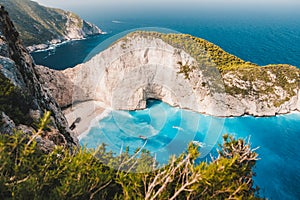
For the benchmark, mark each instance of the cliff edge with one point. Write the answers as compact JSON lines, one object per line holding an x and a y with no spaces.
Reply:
{"x":181,"y":70}
{"x":23,"y":99}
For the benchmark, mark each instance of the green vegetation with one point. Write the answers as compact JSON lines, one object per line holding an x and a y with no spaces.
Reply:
{"x":215,"y":63}
{"x":186,"y":69}
{"x":13,"y":102}
{"x":35,"y":23}
{"x":203,"y":51}
{"x":27,"y":172}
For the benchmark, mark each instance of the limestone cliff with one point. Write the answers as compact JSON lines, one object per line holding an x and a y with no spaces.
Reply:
{"x":41,"y":26}
{"x":23,"y":100}
{"x":182,"y":71}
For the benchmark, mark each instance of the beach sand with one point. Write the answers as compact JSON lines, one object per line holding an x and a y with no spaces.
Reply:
{"x":88,"y":111}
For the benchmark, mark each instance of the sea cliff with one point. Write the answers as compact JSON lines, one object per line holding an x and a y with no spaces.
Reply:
{"x":181,"y":70}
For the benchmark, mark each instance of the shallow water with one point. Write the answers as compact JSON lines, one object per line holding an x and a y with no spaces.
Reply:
{"x":168,"y":131}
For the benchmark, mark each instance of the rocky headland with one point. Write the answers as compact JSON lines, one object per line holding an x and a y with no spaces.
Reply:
{"x":40,"y":26}
{"x":181,"y":70}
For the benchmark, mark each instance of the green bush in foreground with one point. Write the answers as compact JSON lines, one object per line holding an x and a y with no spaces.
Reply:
{"x":28,"y":173}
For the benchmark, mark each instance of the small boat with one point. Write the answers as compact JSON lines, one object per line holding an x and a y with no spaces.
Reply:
{"x":178,"y":128}
{"x":198,"y":143}
{"x":142,"y":137}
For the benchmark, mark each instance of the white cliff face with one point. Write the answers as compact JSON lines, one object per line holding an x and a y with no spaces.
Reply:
{"x":72,"y":31}
{"x":125,"y":77}
{"x":137,"y":68}
{"x":77,"y":28}
{"x":298,"y":101}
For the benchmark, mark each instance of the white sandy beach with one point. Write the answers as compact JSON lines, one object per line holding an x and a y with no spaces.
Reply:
{"x":90,"y":113}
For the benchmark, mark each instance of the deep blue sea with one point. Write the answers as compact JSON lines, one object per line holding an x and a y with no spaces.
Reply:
{"x":263,"y":39}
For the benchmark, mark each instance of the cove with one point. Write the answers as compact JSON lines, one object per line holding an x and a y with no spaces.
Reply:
{"x":168,"y":131}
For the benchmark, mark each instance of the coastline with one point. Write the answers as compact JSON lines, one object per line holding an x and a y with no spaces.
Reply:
{"x":56,"y":43}
{"x":50,"y":46}
{"x":93,"y":123}
{"x":90,"y":113}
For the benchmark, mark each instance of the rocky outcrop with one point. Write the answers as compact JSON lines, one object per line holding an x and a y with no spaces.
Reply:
{"x":89,"y":29}
{"x":56,"y":81}
{"x":142,"y":66}
{"x":23,"y":98}
{"x":40,"y":26}
{"x":77,"y":28}
{"x":7,"y":126}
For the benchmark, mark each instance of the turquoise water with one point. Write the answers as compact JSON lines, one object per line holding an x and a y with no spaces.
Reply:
{"x":169,"y":130}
